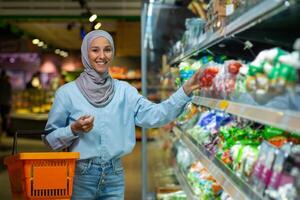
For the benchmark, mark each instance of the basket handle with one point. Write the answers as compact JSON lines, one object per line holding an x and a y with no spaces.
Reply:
{"x":24,"y":132}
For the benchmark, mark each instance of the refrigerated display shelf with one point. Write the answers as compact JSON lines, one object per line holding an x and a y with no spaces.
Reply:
{"x":257,"y":14}
{"x":184,"y":184}
{"x":286,"y":120}
{"x":236,"y":187}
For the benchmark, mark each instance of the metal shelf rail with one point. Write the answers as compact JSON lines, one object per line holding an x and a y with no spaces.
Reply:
{"x":258,"y":13}
{"x":236,"y":187}
{"x":286,"y":120}
{"x":184,"y":184}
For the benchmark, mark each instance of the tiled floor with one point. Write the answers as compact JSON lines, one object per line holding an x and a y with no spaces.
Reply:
{"x":132,"y":164}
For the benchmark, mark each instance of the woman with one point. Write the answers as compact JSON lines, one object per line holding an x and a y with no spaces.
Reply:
{"x":96,"y":116}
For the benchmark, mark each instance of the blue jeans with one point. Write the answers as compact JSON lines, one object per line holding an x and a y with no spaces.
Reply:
{"x":96,"y":179}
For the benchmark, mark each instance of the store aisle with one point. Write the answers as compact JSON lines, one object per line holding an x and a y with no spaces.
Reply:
{"x":132,"y":164}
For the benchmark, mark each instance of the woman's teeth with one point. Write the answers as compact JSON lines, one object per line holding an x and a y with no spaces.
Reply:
{"x":101,"y":62}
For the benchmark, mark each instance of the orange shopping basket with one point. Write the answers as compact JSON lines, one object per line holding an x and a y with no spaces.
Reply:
{"x":44,"y":175}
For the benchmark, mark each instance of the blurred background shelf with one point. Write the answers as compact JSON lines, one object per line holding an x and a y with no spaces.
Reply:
{"x":30,"y":116}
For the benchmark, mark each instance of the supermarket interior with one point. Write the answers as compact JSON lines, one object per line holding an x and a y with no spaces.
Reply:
{"x":238,"y":136}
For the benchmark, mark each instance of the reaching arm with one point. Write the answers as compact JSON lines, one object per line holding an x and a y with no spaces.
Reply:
{"x":148,"y":114}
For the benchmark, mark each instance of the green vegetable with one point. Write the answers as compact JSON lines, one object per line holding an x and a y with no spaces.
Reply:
{"x":270,"y":132}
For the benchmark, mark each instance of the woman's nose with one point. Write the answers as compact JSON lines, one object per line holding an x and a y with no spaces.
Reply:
{"x":101,"y":54}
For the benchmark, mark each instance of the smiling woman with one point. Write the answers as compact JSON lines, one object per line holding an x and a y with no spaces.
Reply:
{"x":96,"y":115}
{"x":100,"y":54}
{"x":95,"y":83}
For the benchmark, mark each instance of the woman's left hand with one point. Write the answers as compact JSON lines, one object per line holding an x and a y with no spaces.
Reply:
{"x":192,"y":84}
{"x":83,"y":125}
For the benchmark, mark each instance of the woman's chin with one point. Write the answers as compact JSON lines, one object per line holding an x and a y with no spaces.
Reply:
{"x":102,"y":70}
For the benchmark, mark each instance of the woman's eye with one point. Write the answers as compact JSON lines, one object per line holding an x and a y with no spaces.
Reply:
{"x":107,"y":50}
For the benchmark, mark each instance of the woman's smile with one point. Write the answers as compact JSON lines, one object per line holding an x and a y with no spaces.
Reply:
{"x":100,"y":54}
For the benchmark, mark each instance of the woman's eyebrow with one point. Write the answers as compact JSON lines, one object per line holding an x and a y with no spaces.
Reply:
{"x":96,"y":46}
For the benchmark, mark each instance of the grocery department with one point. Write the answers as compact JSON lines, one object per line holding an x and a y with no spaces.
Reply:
{"x":235,"y":137}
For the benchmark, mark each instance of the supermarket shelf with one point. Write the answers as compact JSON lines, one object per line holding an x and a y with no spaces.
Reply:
{"x":249,"y":18}
{"x":233,"y":185}
{"x":184,"y":184}
{"x":286,"y":120}
{"x":30,"y":116}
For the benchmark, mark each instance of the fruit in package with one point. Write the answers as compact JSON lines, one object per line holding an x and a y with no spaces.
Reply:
{"x":209,"y":73}
{"x":234,"y":67}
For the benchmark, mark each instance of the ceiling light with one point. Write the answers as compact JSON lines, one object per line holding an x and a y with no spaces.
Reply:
{"x":61,"y":53}
{"x":287,"y":3}
{"x":40,"y":44}
{"x":57,"y":51}
{"x":35,"y":41}
{"x":93,"y":18}
{"x":35,"y":82}
{"x":97,"y":26}
{"x":12,"y":60}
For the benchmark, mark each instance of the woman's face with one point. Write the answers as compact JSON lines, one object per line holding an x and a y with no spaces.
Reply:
{"x":100,"y":54}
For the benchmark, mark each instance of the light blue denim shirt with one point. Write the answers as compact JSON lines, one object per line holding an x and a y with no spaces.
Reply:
{"x":113,"y":134}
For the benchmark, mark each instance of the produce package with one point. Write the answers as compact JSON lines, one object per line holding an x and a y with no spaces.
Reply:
{"x":270,"y":75}
{"x":263,"y":168}
{"x":238,"y":148}
{"x":240,"y":91}
{"x":244,"y":158}
{"x":276,"y":178}
{"x":190,"y":111}
{"x":187,"y":69}
{"x":184,"y":158}
{"x":208,"y":73}
{"x":206,"y":130}
{"x":274,"y":136}
{"x":232,"y":68}
{"x":194,"y":30}
{"x":284,"y":183}
{"x":177,"y":195}
{"x":203,"y":183}
{"x":294,"y":138}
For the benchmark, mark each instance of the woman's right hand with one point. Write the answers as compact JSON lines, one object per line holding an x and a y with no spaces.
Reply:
{"x":83,"y":124}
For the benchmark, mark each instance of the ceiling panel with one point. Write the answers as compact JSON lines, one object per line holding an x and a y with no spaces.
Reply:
{"x":61,"y":34}
{"x":69,"y":8}
{"x":58,"y":22}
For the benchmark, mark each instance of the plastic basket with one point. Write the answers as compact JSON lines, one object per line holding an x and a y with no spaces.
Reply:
{"x":47,"y":175}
